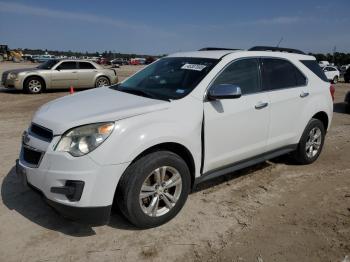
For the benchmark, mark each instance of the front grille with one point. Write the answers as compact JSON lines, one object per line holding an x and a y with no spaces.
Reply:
{"x":31,"y":156}
{"x":41,"y":132}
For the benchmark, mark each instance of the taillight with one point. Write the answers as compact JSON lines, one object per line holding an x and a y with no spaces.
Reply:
{"x":332,"y":90}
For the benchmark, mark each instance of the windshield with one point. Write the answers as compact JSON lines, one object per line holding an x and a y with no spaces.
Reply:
{"x":168,"y":78}
{"x":48,"y":64}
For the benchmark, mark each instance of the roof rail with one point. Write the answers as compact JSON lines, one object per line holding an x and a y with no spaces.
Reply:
{"x":216,"y":49}
{"x":276,"y":49}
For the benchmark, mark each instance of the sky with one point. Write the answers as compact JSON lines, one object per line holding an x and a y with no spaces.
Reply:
{"x":161,"y":27}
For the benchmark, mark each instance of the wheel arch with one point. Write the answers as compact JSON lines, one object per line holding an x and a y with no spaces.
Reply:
{"x":176,"y":148}
{"x":173,"y":147}
{"x":103,"y":75}
{"x":34,"y":76}
{"x":323,"y":117}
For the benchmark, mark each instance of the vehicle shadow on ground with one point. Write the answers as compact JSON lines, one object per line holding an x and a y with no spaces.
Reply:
{"x":341,"y":108}
{"x":230,"y":177}
{"x":16,"y":196}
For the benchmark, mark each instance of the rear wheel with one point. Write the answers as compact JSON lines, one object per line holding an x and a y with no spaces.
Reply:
{"x":311,"y":142}
{"x":34,"y":85}
{"x":102,"y":81}
{"x":154,"y":189}
{"x":335,"y":80}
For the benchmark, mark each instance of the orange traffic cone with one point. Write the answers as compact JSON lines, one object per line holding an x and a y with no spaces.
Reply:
{"x":71,"y":91}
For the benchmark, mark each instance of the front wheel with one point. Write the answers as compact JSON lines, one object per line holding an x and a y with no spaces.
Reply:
{"x":34,"y":85}
{"x":154,"y":189}
{"x":311,"y":142}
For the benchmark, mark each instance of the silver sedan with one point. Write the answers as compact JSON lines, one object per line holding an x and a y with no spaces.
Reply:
{"x":59,"y":74}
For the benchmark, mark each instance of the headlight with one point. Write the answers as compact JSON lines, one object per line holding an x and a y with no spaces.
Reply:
{"x":12,"y":75}
{"x":81,"y":140}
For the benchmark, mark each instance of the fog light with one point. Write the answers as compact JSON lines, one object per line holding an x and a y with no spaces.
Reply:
{"x":72,"y":190}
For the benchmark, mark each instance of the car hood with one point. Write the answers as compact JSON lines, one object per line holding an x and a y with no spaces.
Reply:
{"x":93,"y":106}
{"x":20,"y":70}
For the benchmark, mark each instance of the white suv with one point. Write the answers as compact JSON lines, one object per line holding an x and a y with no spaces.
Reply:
{"x":143,"y":144}
{"x":332,"y":73}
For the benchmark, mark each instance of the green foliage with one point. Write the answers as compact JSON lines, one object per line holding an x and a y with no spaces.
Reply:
{"x":338,"y":59}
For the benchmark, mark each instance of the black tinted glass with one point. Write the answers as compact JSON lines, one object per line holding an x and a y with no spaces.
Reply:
{"x":168,"y":78}
{"x":67,"y":65}
{"x":243,"y":73}
{"x":48,"y":64}
{"x":315,"y":68}
{"x":86,"y":65}
{"x":279,"y":73}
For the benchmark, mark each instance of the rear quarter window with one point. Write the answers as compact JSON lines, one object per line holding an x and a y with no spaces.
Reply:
{"x":315,"y":68}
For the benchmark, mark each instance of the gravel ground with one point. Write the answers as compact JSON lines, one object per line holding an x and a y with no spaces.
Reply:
{"x":274,"y":211}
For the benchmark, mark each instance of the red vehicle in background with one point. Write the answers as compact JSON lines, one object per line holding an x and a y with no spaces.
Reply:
{"x":137,"y":61}
{"x":103,"y":61}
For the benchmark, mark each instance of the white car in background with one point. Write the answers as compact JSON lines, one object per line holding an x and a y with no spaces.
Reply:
{"x":143,"y":144}
{"x":332,"y":73}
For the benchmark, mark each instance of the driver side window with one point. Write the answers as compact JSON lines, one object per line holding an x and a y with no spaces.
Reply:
{"x":242,"y":73}
{"x":67,"y":66}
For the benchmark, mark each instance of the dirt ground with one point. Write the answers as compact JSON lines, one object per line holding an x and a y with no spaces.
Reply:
{"x":274,"y":211}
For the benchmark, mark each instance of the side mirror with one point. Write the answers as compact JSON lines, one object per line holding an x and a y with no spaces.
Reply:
{"x":224,"y":91}
{"x":58,"y":68}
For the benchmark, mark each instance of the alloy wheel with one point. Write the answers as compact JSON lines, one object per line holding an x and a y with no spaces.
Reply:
{"x":160,"y":191}
{"x":313,"y":143}
{"x":102,"y":82}
{"x":34,"y":86}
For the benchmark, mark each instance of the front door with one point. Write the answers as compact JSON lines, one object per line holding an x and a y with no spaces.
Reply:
{"x":236,"y":129}
{"x":64,"y":75}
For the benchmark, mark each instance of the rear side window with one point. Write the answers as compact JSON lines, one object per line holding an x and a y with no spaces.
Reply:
{"x":67,"y":66}
{"x":86,"y":65}
{"x":243,"y":73}
{"x":280,"y":73}
{"x":315,"y":68}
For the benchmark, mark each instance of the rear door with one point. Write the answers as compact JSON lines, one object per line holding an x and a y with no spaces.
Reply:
{"x":86,"y":74}
{"x":236,"y":129}
{"x":287,"y":89}
{"x":64,"y":75}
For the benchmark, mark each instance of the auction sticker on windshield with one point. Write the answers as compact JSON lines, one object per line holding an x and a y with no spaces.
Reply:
{"x":195,"y":67}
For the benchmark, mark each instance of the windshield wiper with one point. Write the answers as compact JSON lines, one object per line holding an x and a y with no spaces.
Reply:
{"x":140,"y":93}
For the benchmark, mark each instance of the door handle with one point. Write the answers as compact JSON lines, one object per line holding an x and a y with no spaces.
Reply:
{"x":304,"y":94}
{"x":74,"y":72}
{"x":261,"y":105}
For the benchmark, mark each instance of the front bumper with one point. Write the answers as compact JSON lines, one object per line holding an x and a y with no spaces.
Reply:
{"x":12,"y":83}
{"x":56,"y":168}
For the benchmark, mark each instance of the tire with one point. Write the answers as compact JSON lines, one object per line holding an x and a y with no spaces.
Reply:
{"x":142,"y":174}
{"x":335,"y":80}
{"x":34,"y":85}
{"x":102,"y":81}
{"x":309,"y":148}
